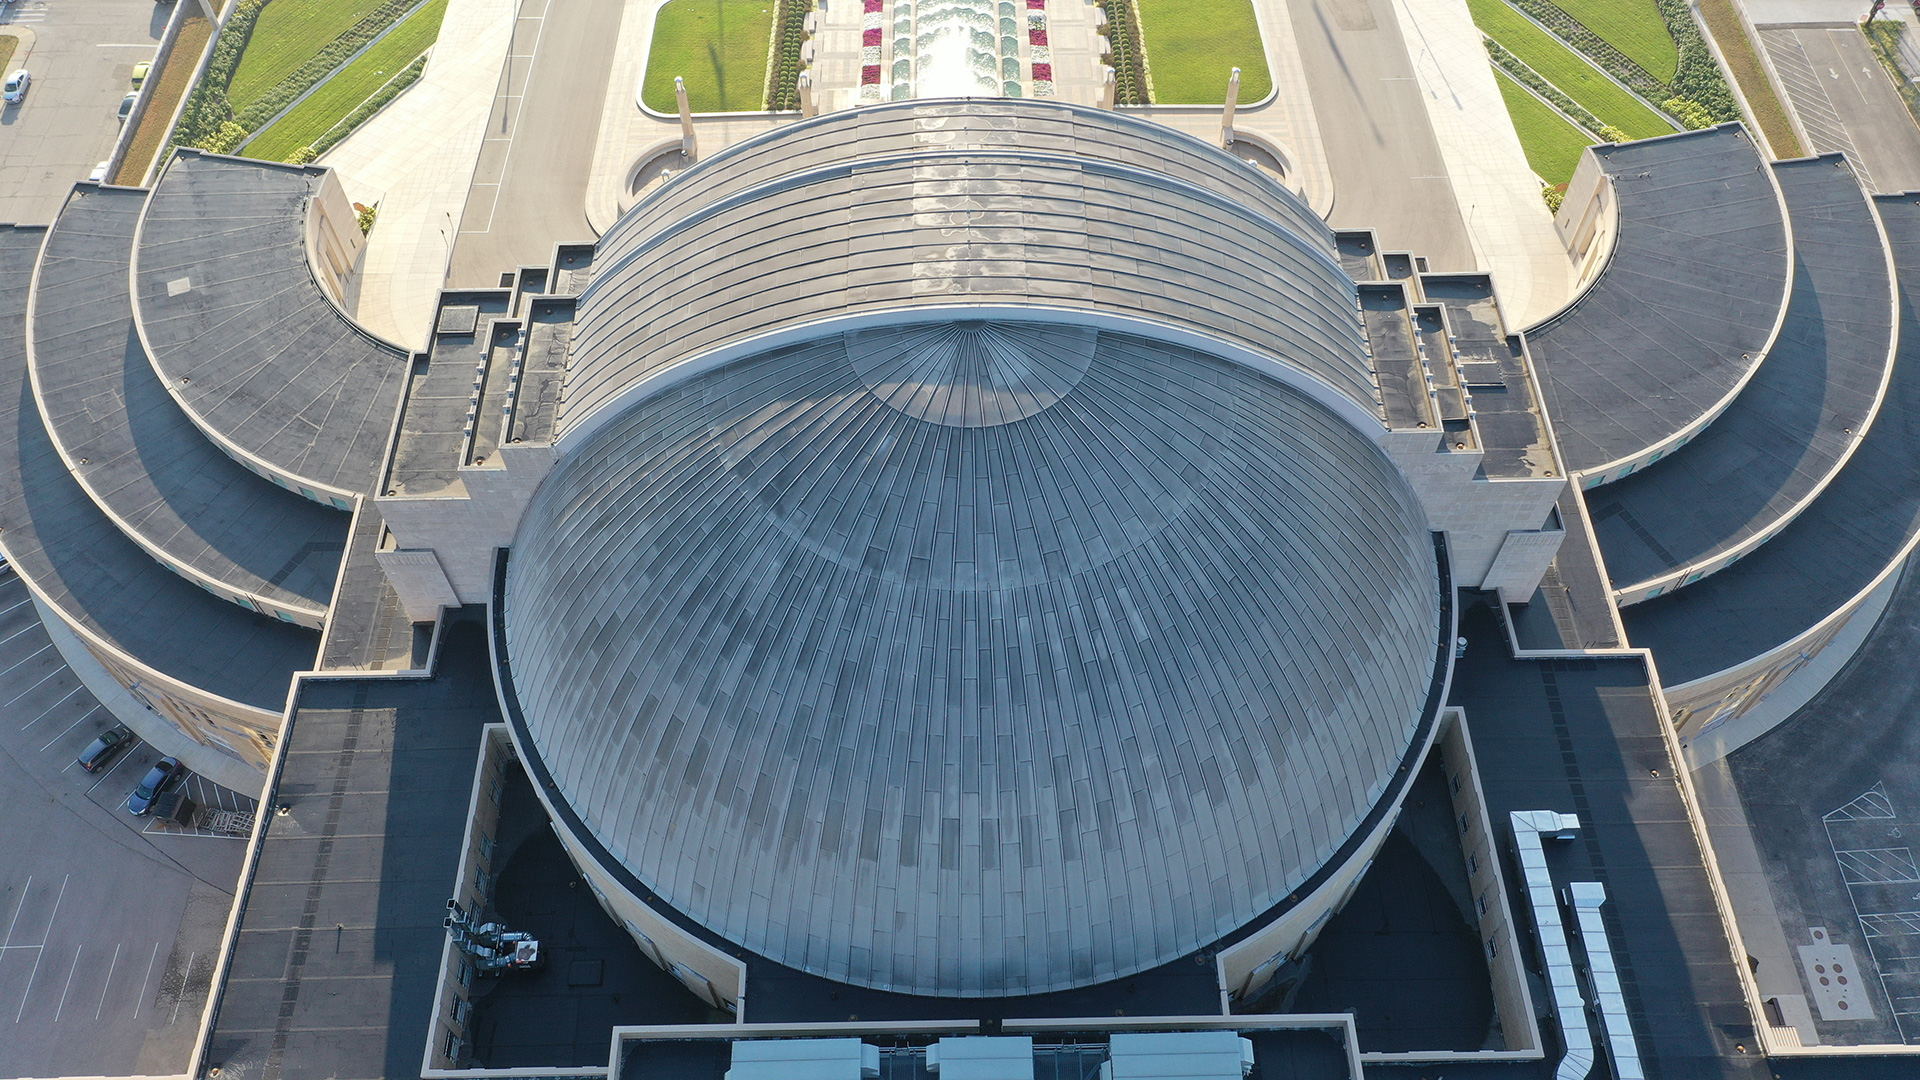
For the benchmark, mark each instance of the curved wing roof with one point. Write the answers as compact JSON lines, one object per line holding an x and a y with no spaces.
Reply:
{"x":133,"y":450}
{"x":244,"y":336}
{"x":973,"y":658}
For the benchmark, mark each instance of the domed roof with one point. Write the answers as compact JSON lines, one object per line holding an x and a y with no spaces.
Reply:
{"x":973,"y":658}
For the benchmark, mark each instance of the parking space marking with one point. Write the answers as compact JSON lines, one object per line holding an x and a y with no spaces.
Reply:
{"x":1877,"y":866}
{"x":8,"y":941}
{"x":138,"y":1001}
{"x":125,"y":757}
{"x":111,"y":964}
{"x":186,"y":976}
{"x":76,"y":723}
{"x":58,"y":1009}
{"x":27,"y":994}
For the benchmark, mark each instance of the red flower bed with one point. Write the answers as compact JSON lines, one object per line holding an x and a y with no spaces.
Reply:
{"x":1036,"y":37}
{"x":870,"y":75}
{"x":870,"y":37}
{"x":1043,"y":73}
{"x":874,"y":5}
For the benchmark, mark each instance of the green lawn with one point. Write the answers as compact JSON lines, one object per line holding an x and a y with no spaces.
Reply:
{"x":1632,"y":26}
{"x":1565,"y":69}
{"x":718,"y":46}
{"x":288,"y":34}
{"x":1552,"y":145}
{"x":343,"y":93}
{"x":1193,"y":44}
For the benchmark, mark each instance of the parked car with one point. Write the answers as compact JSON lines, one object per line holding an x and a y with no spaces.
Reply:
{"x":126,"y":105}
{"x":16,"y":86}
{"x":162,"y":777}
{"x":99,"y":173}
{"x":111,"y":744}
{"x":140,"y":72}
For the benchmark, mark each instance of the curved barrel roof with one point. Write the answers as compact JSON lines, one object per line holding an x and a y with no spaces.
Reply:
{"x":973,"y":658}
{"x":73,"y":555}
{"x":130,"y":447}
{"x":1682,"y":312}
{"x":964,"y":219}
{"x":244,"y":336}
{"x":1867,"y":520}
{"x":1794,"y":424}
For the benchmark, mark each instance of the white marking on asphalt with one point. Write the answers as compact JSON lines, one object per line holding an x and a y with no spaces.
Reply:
{"x":124,"y":758}
{"x":27,"y":994}
{"x":97,"y":1009}
{"x":185,"y":977}
{"x":144,"y":981}
{"x":63,"y":734}
{"x":16,"y":913}
{"x":58,"y":1009}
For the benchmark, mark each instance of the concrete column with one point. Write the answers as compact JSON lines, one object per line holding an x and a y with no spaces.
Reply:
{"x":808,"y":106}
{"x":1108,"y":87}
{"x":688,"y":149}
{"x":1226,"y":114}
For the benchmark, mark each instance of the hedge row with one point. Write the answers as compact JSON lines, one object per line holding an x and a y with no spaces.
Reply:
{"x":323,"y":62}
{"x":206,"y":112}
{"x":1698,"y":80}
{"x":374,"y":104}
{"x":1518,"y":70}
{"x":1129,"y":53}
{"x":789,"y":33}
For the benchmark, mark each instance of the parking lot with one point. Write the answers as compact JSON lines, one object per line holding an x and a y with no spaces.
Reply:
{"x":108,"y":924}
{"x":81,"y":54}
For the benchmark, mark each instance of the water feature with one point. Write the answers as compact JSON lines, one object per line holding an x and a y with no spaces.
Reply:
{"x":955,"y":48}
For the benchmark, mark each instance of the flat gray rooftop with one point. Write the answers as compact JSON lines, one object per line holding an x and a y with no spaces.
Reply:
{"x":244,"y":334}
{"x":377,"y":773}
{"x":68,"y":549}
{"x":1684,"y":306}
{"x":144,"y":461}
{"x":1795,"y":422}
{"x":1854,"y":529}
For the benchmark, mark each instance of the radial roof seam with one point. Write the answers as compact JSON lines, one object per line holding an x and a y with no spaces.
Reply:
{"x":1678,"y":578}
{"x":182,"y":566}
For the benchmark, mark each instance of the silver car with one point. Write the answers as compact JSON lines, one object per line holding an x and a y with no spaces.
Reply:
{"x":16,"y":88}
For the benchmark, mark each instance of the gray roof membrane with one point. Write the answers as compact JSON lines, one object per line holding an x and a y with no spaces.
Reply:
{"x":946,"y":222}
{"x":1795,"y":422}
{"x":1684,"y":306}
{"x":973,"y":659}
{"x":135,"y":452}
{"x":1854,"y":530}
{"x":71,"y":553}
{"x":245,"y":336}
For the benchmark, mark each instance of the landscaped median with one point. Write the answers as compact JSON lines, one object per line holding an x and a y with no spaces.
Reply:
{"x":719,"y":47}
{"x":164,"y":99}
{"x":271,"y":52}
{"x":1571,"y":74}
{"x":1192,"y":46}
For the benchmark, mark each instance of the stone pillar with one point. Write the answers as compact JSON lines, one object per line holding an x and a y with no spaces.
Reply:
{"x":1226,"y":114}
{"x":688,"y":148}
{"x":1108,"y":87}
{"x":808,"y":106}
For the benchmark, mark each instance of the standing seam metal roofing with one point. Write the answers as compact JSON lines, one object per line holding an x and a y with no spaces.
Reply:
{"x":1795,"y":423}
{"x":1684,"y":308}
{"x":243,"y":335}
{"x":86,"y":568}
{"x":133,"y":450}
{"x":1866,"y":520}
{"x":945,"y":225}
{"x":973,"y":659}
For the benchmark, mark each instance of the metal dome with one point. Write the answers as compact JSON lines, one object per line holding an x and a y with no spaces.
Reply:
{"x":973,"y":658}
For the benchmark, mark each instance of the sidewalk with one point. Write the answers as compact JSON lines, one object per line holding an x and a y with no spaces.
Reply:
{"x":416,"y":160}
{"x":1507,"y":220}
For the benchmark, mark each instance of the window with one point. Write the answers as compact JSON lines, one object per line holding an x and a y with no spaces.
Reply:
{"x":1493,"y":948}
{"x":1463,"y":824}
{"x":452,"y":1049}
{"x":1480,"y":902}
{"x":1453,"y":784}
{"x":466,"y":975}
{"x":1473,"y":864}
{"x":486,"y":847}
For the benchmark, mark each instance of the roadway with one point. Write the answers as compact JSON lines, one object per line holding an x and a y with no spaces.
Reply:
{"x":81,"y":54}
{"x":530,"y":187}
{"x":1846,"y":102}
{"x":108,"y":930}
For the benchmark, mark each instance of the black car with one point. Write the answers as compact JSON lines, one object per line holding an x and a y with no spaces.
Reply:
{"x":101,"y":751}
{"x":165,"y":773}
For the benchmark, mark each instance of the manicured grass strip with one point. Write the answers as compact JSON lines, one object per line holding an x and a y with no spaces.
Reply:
{"x":1723,"y":22}
{"x":1552,"y":145}
{"x":288,"y":34}
{"x":353,"y":84}
{"x":1192,"y":46}
{"x":1565,"y":69}
{"x":1632,"y":26}
{"x":8,"y":43}
{"x":718,"y":46}
{"x":174,"y":79}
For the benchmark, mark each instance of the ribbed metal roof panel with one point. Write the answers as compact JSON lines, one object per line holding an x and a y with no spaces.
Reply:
{"x":973,"y":658}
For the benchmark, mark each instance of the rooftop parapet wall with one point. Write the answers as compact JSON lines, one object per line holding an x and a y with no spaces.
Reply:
{"x":1682,"y":313}
{"x":1774,"y":605}
{"x":196,"y":510}
{"x":156,"y":632}
{"x":1796,"y":422}
{"x":245,"y":336}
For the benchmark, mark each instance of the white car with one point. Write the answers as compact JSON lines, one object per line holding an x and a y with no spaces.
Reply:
{"x":16,"y":88}
{"x":99,"y":173}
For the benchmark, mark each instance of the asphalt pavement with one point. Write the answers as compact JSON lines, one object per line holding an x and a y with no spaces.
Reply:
{"x":108,"y":928}
{"x":1847,"y":102}
{"x":81,"y":55}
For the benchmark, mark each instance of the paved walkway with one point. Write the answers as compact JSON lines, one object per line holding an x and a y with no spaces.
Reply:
{"x":416,"y":160}
{"x":1507,"y":221}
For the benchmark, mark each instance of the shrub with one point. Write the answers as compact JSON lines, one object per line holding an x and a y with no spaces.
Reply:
{"x":206,"y":110}
{"x":789,"y":33}
{"x":1688,"y":112}
{"x":302,"y":156}
{"x":1555,"y":194}
{"x":367,"y":216}
{"x":1697,"y":78}
{"x":1129,"y":53}
{"x":1611,"y":133}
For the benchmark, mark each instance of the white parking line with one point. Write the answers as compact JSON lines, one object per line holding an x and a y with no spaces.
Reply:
{"x":58,"y":1009}
{"x":103,"y":989}
{"x":144,"y":981}
{"x":125,"y":757}
{"x":186,"y":976}
{"x":16,"y":913}
{"x":70,"y":727}
{"x":27,"y":994}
